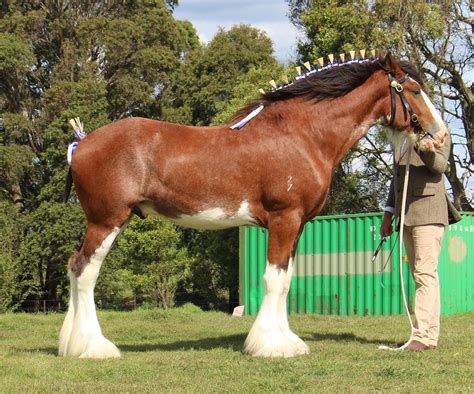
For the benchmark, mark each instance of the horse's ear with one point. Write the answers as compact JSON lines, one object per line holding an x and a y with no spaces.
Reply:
{"x":390,"y":64}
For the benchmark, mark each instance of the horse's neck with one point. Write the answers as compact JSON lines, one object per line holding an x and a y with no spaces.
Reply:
{"x":336,"y":125}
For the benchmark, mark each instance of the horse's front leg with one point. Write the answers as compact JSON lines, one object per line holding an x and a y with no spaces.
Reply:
{"x":270,"y":335}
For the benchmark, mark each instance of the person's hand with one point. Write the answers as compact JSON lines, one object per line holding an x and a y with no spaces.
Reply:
{"x":386,"y":229}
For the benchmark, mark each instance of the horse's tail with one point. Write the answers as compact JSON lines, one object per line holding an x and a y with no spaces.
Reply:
{"x":79,"y":134}
{"x":68,"y":186}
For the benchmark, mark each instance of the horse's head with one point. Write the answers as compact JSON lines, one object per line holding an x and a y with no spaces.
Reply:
{"x":409,"y":107}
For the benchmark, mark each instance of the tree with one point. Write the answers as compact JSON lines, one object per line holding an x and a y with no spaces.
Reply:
{"x":16,"y":139}
{"x":150,"y":263}
{"x":246,"y":89}
{"x":52,"y":233}
{"x":208,"y":77}
{"x":12,"y":280}
{"x":434,"y":36}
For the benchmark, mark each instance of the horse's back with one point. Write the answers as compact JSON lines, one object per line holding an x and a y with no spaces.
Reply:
{"x":124,"y":161}
{"x":121,"y":131}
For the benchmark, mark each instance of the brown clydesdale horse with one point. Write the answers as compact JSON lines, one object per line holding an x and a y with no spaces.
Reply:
{"x":275,"y":173}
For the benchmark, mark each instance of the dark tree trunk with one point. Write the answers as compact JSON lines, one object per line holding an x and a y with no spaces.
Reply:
{"x":52,"y":280}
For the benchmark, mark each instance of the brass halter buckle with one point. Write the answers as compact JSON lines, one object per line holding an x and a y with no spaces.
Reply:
{"x":397,"y":86}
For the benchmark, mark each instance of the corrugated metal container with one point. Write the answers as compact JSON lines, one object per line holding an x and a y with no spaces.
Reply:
{"x":334,"y":274}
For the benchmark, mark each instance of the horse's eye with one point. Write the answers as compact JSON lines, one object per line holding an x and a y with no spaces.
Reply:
{"x":416,"y":92}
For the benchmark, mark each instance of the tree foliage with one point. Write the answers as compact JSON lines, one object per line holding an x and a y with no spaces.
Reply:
{"x":208,"y":78}
{"x":12,"y":280}
{"x":149,"y":263}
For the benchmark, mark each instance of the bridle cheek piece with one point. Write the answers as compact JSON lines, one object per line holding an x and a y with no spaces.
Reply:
{"x":397,"y":88}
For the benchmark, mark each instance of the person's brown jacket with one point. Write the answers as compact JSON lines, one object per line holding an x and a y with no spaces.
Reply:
{"x":427,"y":200}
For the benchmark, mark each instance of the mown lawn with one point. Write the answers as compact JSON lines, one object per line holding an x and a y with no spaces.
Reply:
{"x":186,"y":350}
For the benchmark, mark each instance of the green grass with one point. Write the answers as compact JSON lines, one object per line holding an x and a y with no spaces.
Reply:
{"x":185,"y":350}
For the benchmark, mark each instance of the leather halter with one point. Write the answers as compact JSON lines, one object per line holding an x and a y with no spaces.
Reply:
{"x":397,"y":88}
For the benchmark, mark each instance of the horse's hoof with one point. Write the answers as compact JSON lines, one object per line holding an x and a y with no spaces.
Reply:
{"x":275,"y":344}
{"x":100,"y":349}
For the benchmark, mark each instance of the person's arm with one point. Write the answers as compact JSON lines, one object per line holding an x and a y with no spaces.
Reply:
{"x":437,"y":161}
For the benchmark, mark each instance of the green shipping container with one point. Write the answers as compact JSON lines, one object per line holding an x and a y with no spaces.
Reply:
{"x":334,"y":274}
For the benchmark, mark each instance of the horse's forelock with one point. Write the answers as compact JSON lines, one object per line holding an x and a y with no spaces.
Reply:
{"x":413,"y":72}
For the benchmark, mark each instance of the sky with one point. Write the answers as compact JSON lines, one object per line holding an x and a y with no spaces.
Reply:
{"x":268,"y":15}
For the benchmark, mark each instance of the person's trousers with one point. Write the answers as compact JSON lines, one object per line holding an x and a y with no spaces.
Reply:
{"x":423,"y":246}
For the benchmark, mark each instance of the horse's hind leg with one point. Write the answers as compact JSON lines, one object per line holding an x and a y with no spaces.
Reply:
{"x":81,"y":334}
{"x":270,"y":335}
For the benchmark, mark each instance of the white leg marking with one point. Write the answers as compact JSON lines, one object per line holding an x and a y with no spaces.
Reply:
{"x":69,"y":321}
{"x":81,"y":334}
{"x":270,"y":335}
{"x":283,"y":314}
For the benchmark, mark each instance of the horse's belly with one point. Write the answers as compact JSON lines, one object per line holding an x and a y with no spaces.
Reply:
{"x":210,"y":219}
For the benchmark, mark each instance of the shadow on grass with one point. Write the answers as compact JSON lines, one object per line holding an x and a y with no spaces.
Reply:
{"x":45,"y":350}
{"x":347,"y":337}
{"x":234,"y":342}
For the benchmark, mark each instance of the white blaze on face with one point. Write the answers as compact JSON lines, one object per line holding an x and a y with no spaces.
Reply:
{"x":438,"y":130}
{"x":434,"y":112}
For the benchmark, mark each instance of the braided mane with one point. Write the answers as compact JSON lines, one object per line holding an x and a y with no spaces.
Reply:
{"x":329,"y":84}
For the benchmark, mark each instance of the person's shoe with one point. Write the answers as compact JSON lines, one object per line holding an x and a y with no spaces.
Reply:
{"x":416,"y":346}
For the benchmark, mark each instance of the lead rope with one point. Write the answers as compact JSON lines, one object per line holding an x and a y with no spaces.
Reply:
{"x":400,"y":243}
{"x":400,"y":251}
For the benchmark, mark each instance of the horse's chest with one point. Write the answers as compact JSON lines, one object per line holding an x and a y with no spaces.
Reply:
{"x":209,"y":219}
